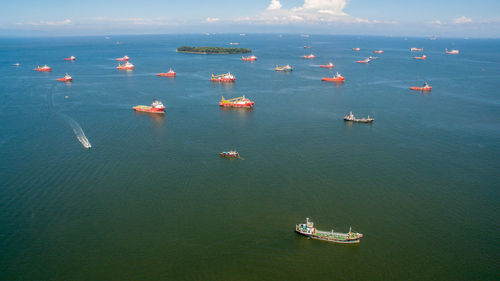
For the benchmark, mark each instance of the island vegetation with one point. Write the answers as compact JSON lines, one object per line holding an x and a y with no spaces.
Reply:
{"x":212,"y":50}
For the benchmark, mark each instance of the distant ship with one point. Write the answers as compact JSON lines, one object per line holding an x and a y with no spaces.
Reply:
{"x":307,"y":229}
{"x":230,"y":154}
{"x":124,"y":58}
{"x":126,"y":66}
{"x":356,"y":49}
{"x":416,"y":49}
{"x":72,"y":58}
{"x":378,"y":52}
{"x":44,"y":68}
{"x":249,"y":58}
{"x":66,"y":78}
{"x":421,"y":57}
{"x":240,"y":102}
{"x":424,"y":88}
{"x":311,"y":56}
{"x":234,"y":43}
{"x":170,"y":73}
{"x":284,"y":68}
{"x":351,"y":118}
{"x":336,"y":78}
{"x":329,"y":65}
{"x":453,"y":52}
{"x":223,"y":78}
{"x":156,"y":107}
{"x":16,"y":64}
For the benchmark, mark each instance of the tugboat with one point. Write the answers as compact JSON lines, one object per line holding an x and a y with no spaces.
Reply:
{"x":170,"y":73}
{"x":420,"y":58}
{"x":284,"y":68}
{"x":230,"y":154}
{"x":223,"y":78}
{"x":44,"y":68}
{"x":416,"y":49}
{"x":452,"y":52}
{"x":307,"y":229}
{"x":72,"y":58}
{"x":240,"y":102}
{"x":126,"y":66}
{"x":329,"y":65}
{"x":378,"y":52}
{"x":356,"y":49}
{"x":310,"y":56}
{"x":124,"y":58}
{"x":424,"y":88}
{"x":351,"y":118}
{"x":66,"y":78}
{"x":337,"y":78}
{"x":250,"y":58}
{"x":156,"y":107}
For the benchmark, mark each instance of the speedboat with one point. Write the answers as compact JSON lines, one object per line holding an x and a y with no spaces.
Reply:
{"x":240,"y":102}
{"x":311,"y":56}
{"x":336,"y":78}
{"x":223,"y":78}
{"x":420,"y":58}
{"x":44,"y":68}
{"x":124,"y":58}
{"x":72,"y":58}
{"x":170,"y":73}
{"x":126,"y":66}
{"x":66,"y":78}
{"x":284,"y":68}
{"x":424,"y":88}
{"x":378,"y":52}
{"x":453,"y":52}
{"x":329,"y":65}
{"x":156,"y":107}
{"x":351,"y":118}
{"x":249,"y":58}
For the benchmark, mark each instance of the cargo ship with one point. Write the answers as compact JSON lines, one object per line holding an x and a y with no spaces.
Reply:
{"x":310,"y":56}
{"x":416,"y":49}
{"x":44,"y":68}
{"x":230,"y":154}
{"x":284,"y":68}
{"x":329,"y":65}
{"x":420,"y":58}
{"x":424,"y":88}
{"x":453,"y":52}
{"x":223,"y":78}
{"x":307,"y":229}
{"x":156,"y":107}
{"x":66,"y":78}
{"x":336,"y":78}
{"x":124,"y":58}
{"x":249,"y":58}
{"x":240,"y":102}
{"x":378,"y":52}
{"x":126,"y":66}
{"x":356,"y":49}
{"x":351,"y":118}
{"x":72,"y":58}
{"x":170,"y":73}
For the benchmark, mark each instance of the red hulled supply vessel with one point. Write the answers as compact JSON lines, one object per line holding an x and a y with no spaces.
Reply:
{"x":44,"y":68}
{"x":249,"y":58}
{"x":156,"y":107}
{"x":416,"y":49}
{"x":337,"y":78}
{"x":424,"y":88}
{"x":126,"y":66}
{"x":329,"y":65}
{"x":66,"y":78}
{"x":356,"y":49}
{"x":420,"y":58}
{"x":223,"y":78}
{"x":124,"y":58}
{"x":310,"y":56}
{"x":378,"y":52}
{"x":170,"y":73}
{"x":72,"y":58}
{"x":240,"y":102}
{"x":452,"y":52}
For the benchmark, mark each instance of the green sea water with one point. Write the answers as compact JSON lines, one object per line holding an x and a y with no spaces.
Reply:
{"x":152,"y":199}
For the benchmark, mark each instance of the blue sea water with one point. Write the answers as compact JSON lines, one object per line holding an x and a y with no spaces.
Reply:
{"x":152,"y":200}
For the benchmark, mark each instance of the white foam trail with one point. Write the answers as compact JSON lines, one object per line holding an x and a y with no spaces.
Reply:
{"x":77,"y":129}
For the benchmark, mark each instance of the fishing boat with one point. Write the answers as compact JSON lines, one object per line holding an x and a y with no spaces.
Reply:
{"x":124,"y":58}
{"x":307,"y":229}
{"x":126,"y":66}
{"x":420,"y":58}
{"x":452,"y":52}
{"x":240,"y":102}
{"x":378,"y":52}
{"x":170,"y":73}
{"x":66,"y":78}
{"x":249,"y":58}
{"x":72,"y":58}
{"x":329,"y":65}
{"x":230,"y":154}
{"x":416,"y":49}
{"x":44,"y":68}
{"x":424,"y":88}
{"x":351,"y":118}
{"x":356,"y":49}
{"x":310,"y":56}
{"x":336,"y":78}
{"x":284,"y":68}
{"x":156,"y":107}
{"x":223,"y":78}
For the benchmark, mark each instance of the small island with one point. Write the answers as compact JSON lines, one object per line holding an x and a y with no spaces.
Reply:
{"x":212,"y":50}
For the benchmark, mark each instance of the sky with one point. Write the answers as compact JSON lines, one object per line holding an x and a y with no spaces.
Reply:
{"x":444,"y":18}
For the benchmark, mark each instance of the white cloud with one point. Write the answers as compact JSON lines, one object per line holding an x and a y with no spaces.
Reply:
{"x":462,"y":19}
{"x":274,"y":5}
{"x":212,"y":20}
{"x":50,"y":23}
{"x":131,"y":20}
{"x":332,"y":7}
{"x":436,"y":22}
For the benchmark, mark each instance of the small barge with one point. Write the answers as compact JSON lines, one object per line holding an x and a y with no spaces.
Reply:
{"x":307,"y":229}
{"x":351,"y":118}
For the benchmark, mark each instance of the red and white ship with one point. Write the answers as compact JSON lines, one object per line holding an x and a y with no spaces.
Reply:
{"x":44,"y":68}
{"x":126,"y":66}
{"x":416,"y":49}
{"x":329,"y":65}
{"x":124,"y":58}
{"x":423,"y":57}
{"x":356,"y":49}
{"x":170,"y":73}
{"x":378,"y":52}
{"x":453,"y":52}
{"x":156,"y":107}
{"x":424,"y":88}
{"x":249,"y":58}
{"x":240,"y":102}
{"x":311,"y":56}
{"x":66,"y":78}
{"x":72,"y":58}
{"x":223,"y":78}
{"x":336,"y":78}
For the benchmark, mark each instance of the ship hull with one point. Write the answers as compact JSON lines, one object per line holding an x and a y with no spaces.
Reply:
{"x":327,"y":66}
{"x":230,"y":105}
{"x":44,"y":70}
{"x":329,"y":239}
{"x":64,"y":80}
{"x":125,"y":68}
{"x":423,"y":89}
{"x":167,"y":74}
{"x":223,"y":80}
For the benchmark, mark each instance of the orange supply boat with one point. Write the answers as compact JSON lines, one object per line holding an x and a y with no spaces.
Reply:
{"x":250,"y":58}
{"x":416,"y":49}
{"x":356,"y":49}
{"x":44,"y":68}
{"x":336,"y":78}
{"x":124,"y":58}
{"x":72,"y":58}
{"x":66,"y":78}
{"x":223,"y":78}
{"x":240,"y":102}
{"x":424,"y":88}
{"x":156,"y":107}
{"x":329,"y":65}
{"x":453,"y":52}
{"x":170,"y":73}
{"x":125,"y":66}
{"x":311,"y":56}
{"x":378,"y":52}
{"x":420,"y":58}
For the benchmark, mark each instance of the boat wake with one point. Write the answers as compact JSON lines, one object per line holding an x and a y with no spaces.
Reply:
{"x":77,"y":129}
